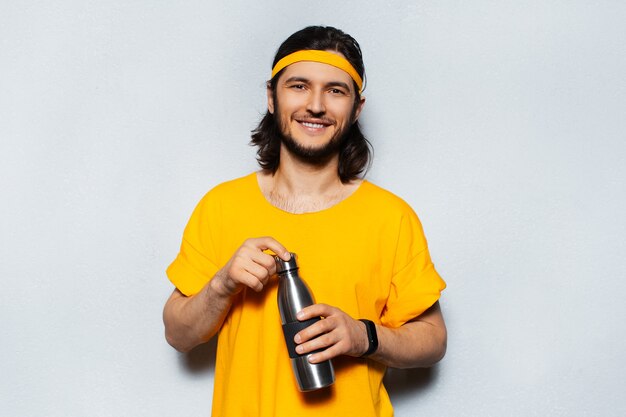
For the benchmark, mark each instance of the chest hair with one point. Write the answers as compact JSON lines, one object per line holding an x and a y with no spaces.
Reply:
{"x":298,"y":204}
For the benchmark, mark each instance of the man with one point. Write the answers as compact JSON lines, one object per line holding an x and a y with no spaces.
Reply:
{"x":360,"y":248}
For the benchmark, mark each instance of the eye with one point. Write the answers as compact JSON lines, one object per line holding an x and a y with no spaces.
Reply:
{"x":337,"y":91}
{"x":299,"y":86}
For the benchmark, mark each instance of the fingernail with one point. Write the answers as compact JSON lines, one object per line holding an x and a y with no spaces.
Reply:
{"x":300,"y":314}
{"x":297,"y":339}
{"x":312,"y":358}
{"x":299,"y":349}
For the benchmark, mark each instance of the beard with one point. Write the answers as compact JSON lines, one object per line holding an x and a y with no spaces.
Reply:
{"x":313,"y":155}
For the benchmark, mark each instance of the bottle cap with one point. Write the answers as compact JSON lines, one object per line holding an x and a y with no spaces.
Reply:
{"x":282,"y":266}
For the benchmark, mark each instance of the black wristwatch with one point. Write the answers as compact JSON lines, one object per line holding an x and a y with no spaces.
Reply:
{"x":372,"y":337}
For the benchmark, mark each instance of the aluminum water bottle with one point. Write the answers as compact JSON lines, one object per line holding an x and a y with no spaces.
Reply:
{"x":293,"y":296}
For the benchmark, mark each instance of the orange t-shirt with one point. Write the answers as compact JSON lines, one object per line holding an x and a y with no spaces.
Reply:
{"x":367,"y":255}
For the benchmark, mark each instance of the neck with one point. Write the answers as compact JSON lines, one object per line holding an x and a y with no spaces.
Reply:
{"x":297,"y":187}
{"x":297,"y":178}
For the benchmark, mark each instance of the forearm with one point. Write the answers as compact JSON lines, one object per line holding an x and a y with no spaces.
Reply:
{"x":190,"y":321}
{"x":416,"y":344}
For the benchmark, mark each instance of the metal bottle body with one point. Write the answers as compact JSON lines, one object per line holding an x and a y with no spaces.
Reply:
{"x":293,"y":296}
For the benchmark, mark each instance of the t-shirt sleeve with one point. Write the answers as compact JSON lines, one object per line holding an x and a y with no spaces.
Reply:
{"x":415,"y":284}
{"x":195,"y":264}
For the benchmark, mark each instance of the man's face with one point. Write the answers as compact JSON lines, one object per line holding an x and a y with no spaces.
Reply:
{"x":315,"y":107}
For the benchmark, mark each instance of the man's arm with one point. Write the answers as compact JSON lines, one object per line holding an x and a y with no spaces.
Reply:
{"x":190,"y":321}
{"x":419,"y":343}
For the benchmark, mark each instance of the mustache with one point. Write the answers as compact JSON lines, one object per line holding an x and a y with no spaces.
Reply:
{"x":316,"y":118}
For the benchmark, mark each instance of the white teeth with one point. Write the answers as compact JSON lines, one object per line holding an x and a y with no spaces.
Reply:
{"x":313,"y":125}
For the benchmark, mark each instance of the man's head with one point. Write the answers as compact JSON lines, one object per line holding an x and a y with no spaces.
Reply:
{"x":314,"y":99}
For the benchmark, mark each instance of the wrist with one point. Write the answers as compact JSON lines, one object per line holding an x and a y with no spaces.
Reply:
{"x":220,"y":285}
{"x":372,"y":337}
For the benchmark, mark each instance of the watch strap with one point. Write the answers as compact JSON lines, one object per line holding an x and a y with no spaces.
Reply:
{"x":372,"y":337}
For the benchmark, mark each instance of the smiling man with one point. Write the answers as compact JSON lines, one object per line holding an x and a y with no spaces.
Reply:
{"x":360,"y":248}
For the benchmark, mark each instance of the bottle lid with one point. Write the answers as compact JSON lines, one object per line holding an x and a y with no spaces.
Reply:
{"x":283,"y":266}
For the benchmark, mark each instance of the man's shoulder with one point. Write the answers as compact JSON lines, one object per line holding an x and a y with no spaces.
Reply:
{"x":235,"y":185}
{"x":231,"y":190}
{"x":383,"y":198}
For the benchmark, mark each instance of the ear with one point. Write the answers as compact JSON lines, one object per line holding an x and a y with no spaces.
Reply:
{"x":270,"y":99}
{"x":359,"y":108}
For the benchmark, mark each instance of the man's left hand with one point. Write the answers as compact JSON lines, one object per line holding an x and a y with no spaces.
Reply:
{"x":337,"y":333}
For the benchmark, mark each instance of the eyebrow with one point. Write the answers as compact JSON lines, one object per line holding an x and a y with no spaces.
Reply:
{"x":306,"y":80}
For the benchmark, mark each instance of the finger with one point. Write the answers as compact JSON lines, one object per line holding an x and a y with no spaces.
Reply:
{"x":254,"y":261}
{"x":266,"y":261}
{"x":322,"y":342}
{"x":251,"y":281}
{"x":258,"y":271}
{"x":330,"y":353}
{"x":243,"y":262}
{"x":249,"y":274}
{"x":320,"y":328}
{"x":315,"y":310}
{"x":314,"y":330}
{"x":267,"y":242}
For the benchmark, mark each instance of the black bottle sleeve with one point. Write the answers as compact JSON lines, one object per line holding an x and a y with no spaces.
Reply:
{"x":291,"y":329}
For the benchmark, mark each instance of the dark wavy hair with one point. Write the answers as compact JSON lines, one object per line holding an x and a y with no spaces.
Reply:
{"x":355,"y":153}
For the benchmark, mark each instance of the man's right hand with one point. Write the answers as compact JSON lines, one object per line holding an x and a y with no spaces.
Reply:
{"x":192,"y":320}
{"x":250,"y":266}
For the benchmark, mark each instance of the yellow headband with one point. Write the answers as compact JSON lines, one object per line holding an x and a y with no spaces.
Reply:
{"x":319,"y":56}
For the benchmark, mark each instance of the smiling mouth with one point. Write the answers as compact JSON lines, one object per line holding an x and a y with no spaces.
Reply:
{"x":313,"y":125}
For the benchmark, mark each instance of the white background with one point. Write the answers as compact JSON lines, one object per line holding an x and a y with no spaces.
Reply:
{"x":501,"y":123}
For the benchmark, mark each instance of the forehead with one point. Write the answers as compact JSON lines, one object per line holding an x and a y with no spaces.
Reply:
{"x":316,"y":72}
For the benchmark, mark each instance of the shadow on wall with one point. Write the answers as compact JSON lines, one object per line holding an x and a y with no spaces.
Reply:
{"x":200,"y":359}
{"x":403,"y":384}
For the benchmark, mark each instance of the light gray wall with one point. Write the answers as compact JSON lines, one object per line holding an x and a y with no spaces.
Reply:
{"x":501,"y":123}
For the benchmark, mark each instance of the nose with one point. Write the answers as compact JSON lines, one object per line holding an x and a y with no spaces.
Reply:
{"x":316,"y":102}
